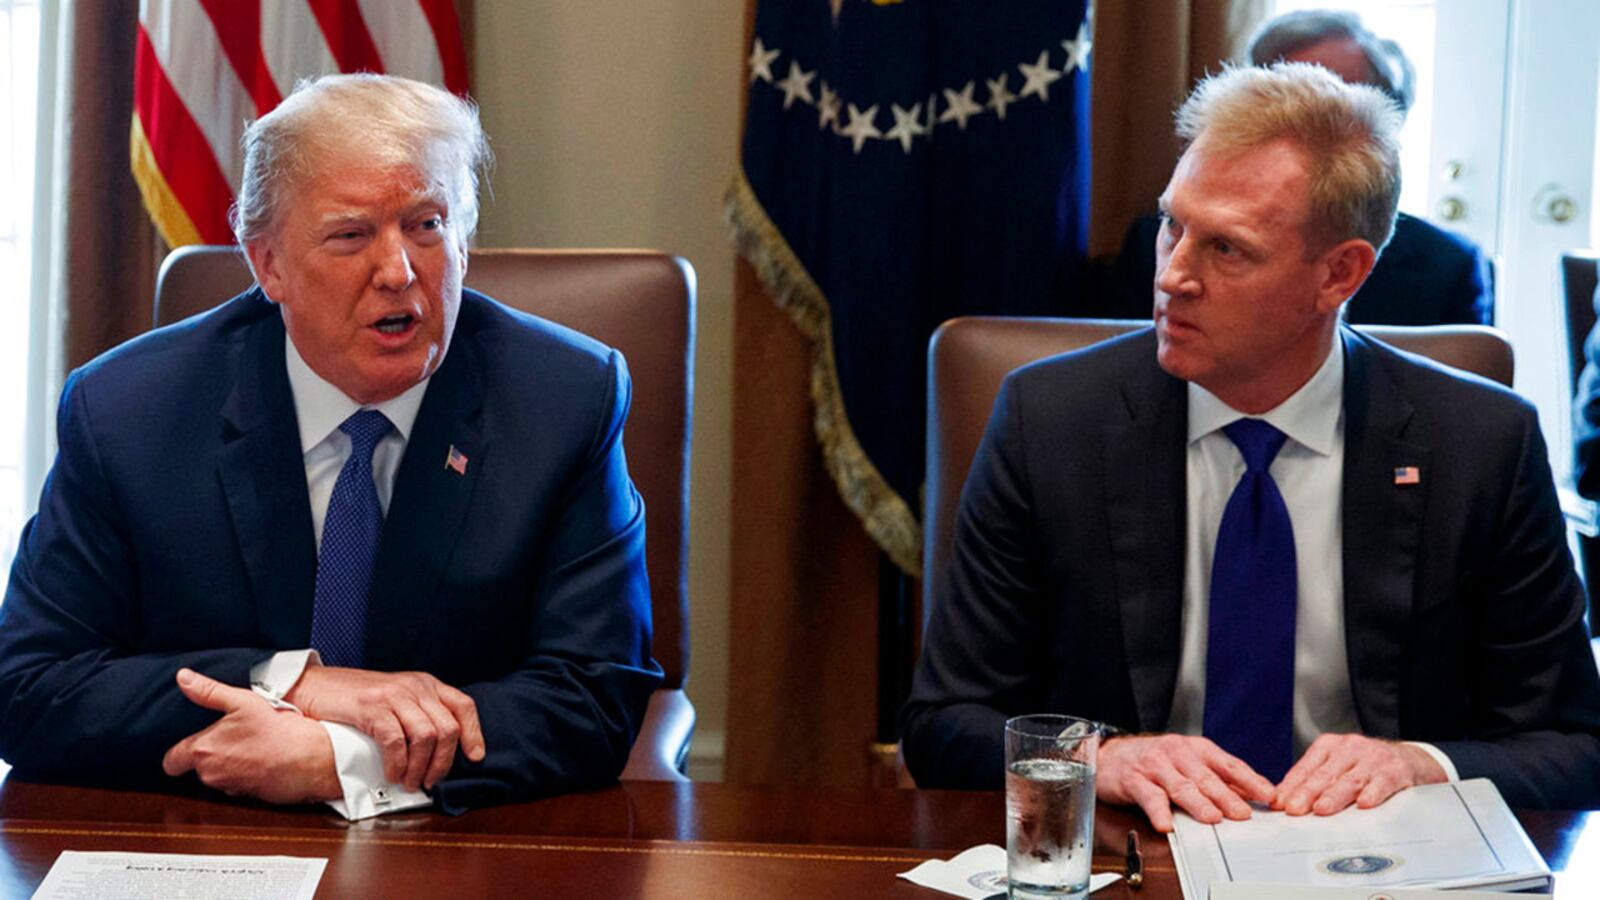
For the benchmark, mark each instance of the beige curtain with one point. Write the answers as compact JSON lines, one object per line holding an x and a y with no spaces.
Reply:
{"x":1147,"y":56}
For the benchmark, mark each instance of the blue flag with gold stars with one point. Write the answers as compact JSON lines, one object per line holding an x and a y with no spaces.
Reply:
{"x":904,"y":162}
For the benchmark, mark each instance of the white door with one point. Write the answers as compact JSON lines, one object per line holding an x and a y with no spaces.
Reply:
{"x":1546,"y":130}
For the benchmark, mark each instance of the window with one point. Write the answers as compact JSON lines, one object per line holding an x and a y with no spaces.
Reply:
{"x":19,"y":70}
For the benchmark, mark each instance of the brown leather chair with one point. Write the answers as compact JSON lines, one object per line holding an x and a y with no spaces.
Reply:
{"x":640,"y":302}
{"x":968,"y":358}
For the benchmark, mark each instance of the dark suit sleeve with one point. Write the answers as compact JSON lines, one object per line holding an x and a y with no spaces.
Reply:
{"x":1586,"y":412}
{"x":77,"y":699}
{"x":980,"y":649}
{"x":1534,"y":695}
{"x":1469,"y":289}
{"x":566,"y":718}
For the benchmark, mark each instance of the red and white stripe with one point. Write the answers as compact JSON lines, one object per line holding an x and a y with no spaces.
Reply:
{"x":205,"y":68}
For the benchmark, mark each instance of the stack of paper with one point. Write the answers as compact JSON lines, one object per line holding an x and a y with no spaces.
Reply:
{"x":1459,"y":835}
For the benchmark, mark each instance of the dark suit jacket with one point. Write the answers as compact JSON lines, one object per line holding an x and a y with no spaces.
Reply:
{"x":1586,"y":418}
{"x":1425,"y":276}
{"x":1463,"y":616}
{"x":175,"y":530}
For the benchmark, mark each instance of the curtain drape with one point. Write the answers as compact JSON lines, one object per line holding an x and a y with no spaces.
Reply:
{"x":95,"y":253}
{"x":110,"y":252}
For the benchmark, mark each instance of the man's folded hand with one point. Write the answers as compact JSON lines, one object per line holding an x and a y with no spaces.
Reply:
{"x":417,"y":720}
{"x":254,"y":750}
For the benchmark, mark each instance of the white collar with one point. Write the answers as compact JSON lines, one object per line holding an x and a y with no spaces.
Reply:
{"x":319,"y":407}
{"x":1310,"y":416}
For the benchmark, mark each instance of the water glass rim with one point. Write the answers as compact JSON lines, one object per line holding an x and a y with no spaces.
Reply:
{"x":1059,"y":722}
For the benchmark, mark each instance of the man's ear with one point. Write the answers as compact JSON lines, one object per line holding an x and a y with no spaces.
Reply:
{"x":264,"y":260}
{"x":1345,"y":268}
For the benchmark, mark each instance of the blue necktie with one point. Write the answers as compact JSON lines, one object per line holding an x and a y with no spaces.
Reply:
{"x":1249,"y":709}
{"x":349,"y":548}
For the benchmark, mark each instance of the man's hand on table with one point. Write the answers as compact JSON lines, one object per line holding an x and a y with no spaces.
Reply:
{"x":1340,"y":769}
{"x":254,"y":750}
{"x":416,"y":719}
{"x":1159,"y":771}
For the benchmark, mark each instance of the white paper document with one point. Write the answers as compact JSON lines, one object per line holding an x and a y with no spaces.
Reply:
{"x":978,"y":872}
{"x":1459,"y":835}
{"x":179,"y":876}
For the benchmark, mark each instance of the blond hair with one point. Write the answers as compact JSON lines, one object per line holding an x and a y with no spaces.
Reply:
{"x":1348,"y":133}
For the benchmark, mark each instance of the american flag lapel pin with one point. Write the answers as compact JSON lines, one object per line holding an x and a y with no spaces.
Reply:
{"x":1407,"y":475}
{"x":456,"y":461}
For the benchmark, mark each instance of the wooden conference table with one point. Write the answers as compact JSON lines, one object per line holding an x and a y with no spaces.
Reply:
{"x":640,"y":839}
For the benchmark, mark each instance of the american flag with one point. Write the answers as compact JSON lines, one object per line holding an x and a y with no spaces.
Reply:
{"x":1407,"y":475}
{"x":456,"y":461}
{"x":204,"y":68}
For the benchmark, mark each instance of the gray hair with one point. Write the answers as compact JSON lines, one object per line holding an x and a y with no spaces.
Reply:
{"x":1349,"y":134}
{"x":1391,"y":71}
{"x":388,"y":120}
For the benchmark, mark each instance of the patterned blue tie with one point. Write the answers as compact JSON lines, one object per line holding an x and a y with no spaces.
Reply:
{"x":349,"y":548}
{"x":1249,"y":691}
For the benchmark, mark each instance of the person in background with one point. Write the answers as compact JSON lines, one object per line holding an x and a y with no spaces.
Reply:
{"x":357,"y":535}
{"x":1425,"y":275}
{"x":1285,"y":562}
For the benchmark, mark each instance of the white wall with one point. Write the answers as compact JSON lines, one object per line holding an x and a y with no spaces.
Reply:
{"x":615,"y":124}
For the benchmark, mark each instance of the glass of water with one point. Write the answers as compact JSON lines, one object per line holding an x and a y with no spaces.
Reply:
{"x":1050,"y":805}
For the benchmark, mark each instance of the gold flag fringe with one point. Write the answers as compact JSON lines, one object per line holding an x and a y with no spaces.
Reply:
{"x":886,"y":516}
{"x":176,"y":228}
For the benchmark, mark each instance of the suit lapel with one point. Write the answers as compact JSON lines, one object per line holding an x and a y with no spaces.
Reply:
{"x":263,"y":478}
{"x":429,"y":505}
{"x":1145,"y":470}
{"x":1382,"y":530}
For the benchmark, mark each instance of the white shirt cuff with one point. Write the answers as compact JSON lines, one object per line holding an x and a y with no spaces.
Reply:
{"x":360,"y":767}
{"x":276,"y":675}
{"x":1444,"y":762}
{"x":356,"y":758}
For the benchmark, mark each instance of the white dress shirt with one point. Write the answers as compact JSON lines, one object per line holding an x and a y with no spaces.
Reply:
{"x":1309,"y":472}
{"x":320,"y":408}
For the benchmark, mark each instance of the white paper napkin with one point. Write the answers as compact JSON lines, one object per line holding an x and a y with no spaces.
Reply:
{"x":977,"y":873}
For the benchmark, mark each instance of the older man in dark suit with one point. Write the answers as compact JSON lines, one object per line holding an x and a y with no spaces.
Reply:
{"x":355,"y":536}
{"x":1286,"y":563}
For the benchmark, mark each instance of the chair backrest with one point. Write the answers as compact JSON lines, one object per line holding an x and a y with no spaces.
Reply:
{"x":640,"y":302}
{"x":968,"y":358}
